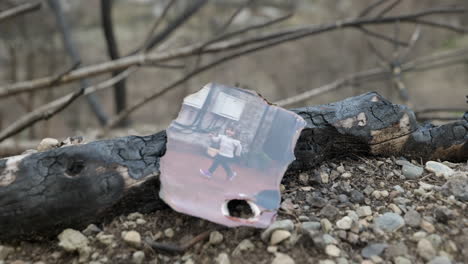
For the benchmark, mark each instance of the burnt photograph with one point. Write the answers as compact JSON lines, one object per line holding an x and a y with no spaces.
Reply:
{"x":232,"y":148}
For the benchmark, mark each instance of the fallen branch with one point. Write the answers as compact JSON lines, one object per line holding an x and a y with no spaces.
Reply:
{"x":43,"y":193}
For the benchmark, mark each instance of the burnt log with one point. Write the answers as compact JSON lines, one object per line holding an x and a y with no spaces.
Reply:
{"x":43,"y":193}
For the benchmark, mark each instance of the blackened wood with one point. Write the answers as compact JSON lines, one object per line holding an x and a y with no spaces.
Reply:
{"x":371,"y":125}
{"x":43,"y":193}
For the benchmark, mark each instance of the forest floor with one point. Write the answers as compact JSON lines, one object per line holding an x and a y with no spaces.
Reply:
{"x":356,"y":210}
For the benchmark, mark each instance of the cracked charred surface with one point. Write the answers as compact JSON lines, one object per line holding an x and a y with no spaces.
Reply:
{"x":369,"y":124}
{"x":75,"y":185}
{"x":43,"y":193}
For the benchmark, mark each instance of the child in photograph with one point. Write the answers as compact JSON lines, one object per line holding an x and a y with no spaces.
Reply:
{"x":229,"y":148}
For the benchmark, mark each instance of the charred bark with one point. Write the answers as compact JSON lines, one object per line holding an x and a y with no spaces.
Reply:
{"x":43,"y":193}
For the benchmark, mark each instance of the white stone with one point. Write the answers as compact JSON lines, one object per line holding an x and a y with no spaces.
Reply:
{"x":47,"y":144}
{"x":72,"y":240}
{"x":169,"y":232}
{"x":332,"y":250}
{"x":5,"y":251}
{"x":364,"y":211}
{"x":395,"y":208}
{"x":346,"y":175}
{"x":105,"y":239}
{"x":133,"y":238}
{"x":282,"y":224}
{"x":344,"y":223}
{"x":326,"y":225}
{"x":439,"y":169}
{"x":325,"y":177}
{"x":281,"y":258}
{"x":138,"y":257}
{"x":134,"y":216}
{"x":222,"y":258}
{"x":425,"y":249}
{"x":279,"y":236}
{"x":216,"y":238}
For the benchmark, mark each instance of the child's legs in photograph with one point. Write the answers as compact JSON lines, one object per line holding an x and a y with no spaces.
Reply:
{"x":225,"y":163}
{"x":215,"y":164}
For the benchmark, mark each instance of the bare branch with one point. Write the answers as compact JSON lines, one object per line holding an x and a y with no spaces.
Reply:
{"x":279,"y":37}
{"x":461,"y":30}
{"x":174,"y":25}
{"x":20,"y":10}
{"x":45,"y":112}
{"x":378,"y":74}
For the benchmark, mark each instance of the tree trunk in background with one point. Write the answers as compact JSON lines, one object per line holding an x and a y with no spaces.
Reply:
{"x":120,"y":90}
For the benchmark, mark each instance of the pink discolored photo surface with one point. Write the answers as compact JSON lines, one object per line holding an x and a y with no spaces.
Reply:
{"x":227,"y":152}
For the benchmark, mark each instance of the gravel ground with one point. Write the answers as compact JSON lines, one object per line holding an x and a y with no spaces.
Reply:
{"x":382,"y":210}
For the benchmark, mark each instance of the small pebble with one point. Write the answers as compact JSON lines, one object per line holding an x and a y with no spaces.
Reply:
{"x":281,"y":258}
{"x":395,"y":208}
{"x":216,"y":238}
{"x":222,"y":258}
{"x":344,"y":223}
{"x":364,"y":211}
{"x":412,"y":218}
{"x":279,"y":236}
{"x":425,"y":249}
{"x":332,"y":250}
{"x":169,"y":232}
{"x":427,"y":226}
{"x":138,"y":257}
{"x":133,"y":238}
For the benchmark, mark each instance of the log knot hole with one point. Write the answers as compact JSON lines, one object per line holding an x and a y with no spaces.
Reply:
{"x":75,"y":167}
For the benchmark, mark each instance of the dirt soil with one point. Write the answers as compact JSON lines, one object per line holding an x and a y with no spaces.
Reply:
{"x":355,"y":210}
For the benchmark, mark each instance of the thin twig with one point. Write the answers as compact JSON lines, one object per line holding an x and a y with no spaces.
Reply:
{"x":193,"y":8}
{"x":229,"y":21}
{"x":414,"y":38}
{"x":389,"y":8}
{"x":20,"y":10}
{"x":221,"y":31}
{"x":156,"y":23}
{"x":371,"y":7}
{"x":373,"y":49}
{"x":382,"y":37}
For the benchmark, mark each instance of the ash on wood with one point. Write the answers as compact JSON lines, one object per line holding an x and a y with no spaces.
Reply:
{"x":43,"y":193}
